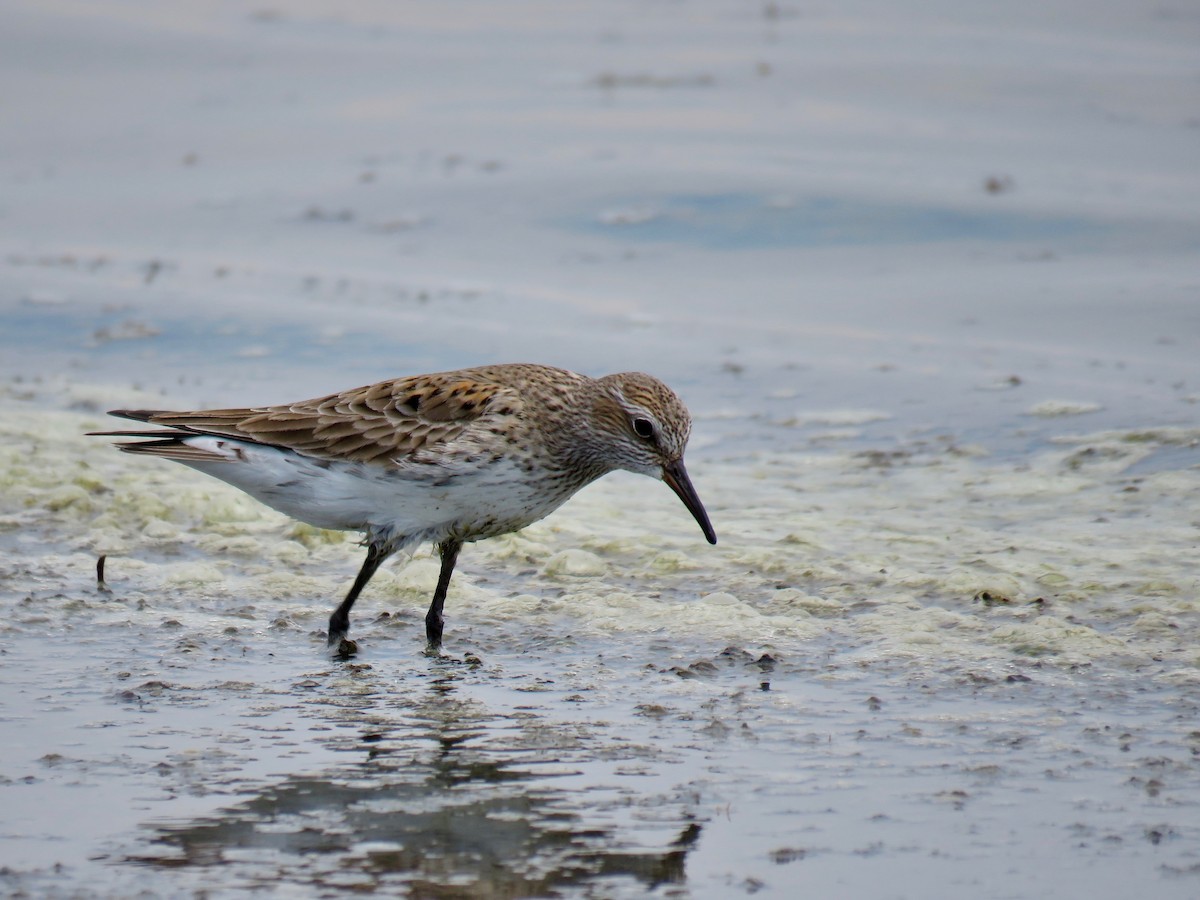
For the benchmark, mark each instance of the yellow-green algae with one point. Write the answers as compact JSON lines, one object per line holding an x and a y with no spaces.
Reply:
{"x":889,"y":562}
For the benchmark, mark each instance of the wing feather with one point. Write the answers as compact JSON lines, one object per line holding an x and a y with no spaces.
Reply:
{"x":385,"y":422}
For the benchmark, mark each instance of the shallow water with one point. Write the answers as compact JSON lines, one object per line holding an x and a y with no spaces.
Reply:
{"x":930,"y":293}
{"x":987,"y":680}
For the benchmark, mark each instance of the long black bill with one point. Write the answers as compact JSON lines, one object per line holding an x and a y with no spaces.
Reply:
{"x":676,"y":477}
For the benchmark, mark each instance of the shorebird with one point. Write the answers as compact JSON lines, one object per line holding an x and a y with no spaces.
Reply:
{"x":451,"y":457}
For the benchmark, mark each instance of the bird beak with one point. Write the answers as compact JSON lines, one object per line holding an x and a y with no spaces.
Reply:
{"x":676,"y":477}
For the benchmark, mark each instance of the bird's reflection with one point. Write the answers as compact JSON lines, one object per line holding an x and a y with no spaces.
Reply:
{"x":445,"y":799}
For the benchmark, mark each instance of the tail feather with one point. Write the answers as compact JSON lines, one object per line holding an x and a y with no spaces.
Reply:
{"x":157,"y":433}
{"x":168,"y":443}
{"x":138,"y":415}
{"x":171,"y":448}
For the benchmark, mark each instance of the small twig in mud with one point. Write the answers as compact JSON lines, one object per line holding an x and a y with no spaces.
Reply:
{"x":101,"y":585}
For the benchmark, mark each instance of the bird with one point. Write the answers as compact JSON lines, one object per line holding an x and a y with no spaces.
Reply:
{"x":449,"y":458}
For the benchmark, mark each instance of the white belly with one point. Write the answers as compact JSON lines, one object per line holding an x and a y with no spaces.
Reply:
{"x":407,"y":504}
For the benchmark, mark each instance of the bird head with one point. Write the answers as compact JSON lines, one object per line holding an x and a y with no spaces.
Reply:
{"x":647,"y":429}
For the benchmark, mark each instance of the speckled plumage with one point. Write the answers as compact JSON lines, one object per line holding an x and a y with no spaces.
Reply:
{"x":450,"y":457}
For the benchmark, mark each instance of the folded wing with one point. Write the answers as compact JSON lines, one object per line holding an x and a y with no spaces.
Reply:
{"x":385,"y":422}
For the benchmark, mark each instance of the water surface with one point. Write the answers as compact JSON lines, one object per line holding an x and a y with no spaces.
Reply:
{"x":929,"y":290}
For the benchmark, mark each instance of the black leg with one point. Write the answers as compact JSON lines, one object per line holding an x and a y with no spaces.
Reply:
{"x":433,"y":618}
{"x":339,"y":622}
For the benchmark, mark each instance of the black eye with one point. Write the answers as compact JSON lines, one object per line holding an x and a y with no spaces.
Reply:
{"x":643,"y":428}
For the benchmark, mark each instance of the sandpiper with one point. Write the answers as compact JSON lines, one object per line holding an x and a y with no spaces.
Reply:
{"x":450,"y":457}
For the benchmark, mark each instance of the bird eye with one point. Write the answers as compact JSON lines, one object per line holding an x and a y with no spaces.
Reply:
{"x":643,"y":428}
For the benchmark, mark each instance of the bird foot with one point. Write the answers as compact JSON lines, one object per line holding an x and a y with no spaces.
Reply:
{"x":433,"y":631}
{"x":340,"y":646}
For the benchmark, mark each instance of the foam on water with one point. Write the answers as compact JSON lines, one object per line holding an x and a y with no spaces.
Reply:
{"x":923,"y":566}
{"x":1060,"y":557}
